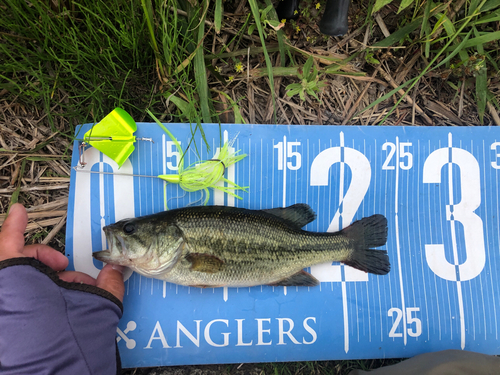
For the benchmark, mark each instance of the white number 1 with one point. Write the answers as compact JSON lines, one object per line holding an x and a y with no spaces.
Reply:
{"x":287,"y":151}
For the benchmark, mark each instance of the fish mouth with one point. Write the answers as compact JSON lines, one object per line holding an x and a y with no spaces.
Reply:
{"x":114,"y":239}
{"x":103,"y":255}
{"x":122,"y":242}
{"x":115,"y":242}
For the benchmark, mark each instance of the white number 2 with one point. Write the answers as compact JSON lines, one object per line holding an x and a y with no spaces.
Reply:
{"x":351,"y":200}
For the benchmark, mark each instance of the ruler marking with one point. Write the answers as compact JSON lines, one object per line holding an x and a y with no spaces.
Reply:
{"x":272,"y":174}
{"x":398,"y":245}
{"x":231,"y":174}
{"x":434,"y":275}
{"x":341,"y":179}
{"x":461,"y":310}
{"x":249,"y":147}
{"x":308,"y":178}
{"x":297,"y":180}
{"x":357,"y":309}
{"x":316,"y":196}
{"x":319,"y":206}
{"x":487,"y":225}
{"x":419,"y":239}
{"x":411,"y":245}
{"x":444,"y":234}
{"x":346,"y":318}
{"x":340,"y":226}
{"x":375,"y":178}
{"x":284,"y":170}
{"x":497,"y":231}
{"x":164,"y":171}
{"x":481,"y":296}
{"x":330,"y":195}
{"x":139,"y":180}
{"x":365,"y":285}
{"x":454,"y":242}
{"x":151,"y":181}
{"x":261,"y":160}
{"x":386,"y":184}
{"x":471,"y":301}
{"x":102,"y":209}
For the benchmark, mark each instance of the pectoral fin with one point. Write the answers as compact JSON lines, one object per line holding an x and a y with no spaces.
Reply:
{"x":301,"y":278}
{"x":205,"y":262}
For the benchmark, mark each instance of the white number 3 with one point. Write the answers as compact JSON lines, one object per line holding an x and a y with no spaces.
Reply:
{"x":462,"y":212}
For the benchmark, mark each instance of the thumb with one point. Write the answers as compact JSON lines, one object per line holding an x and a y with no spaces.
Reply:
{"x":111,"y":279}
{"x":12,"y":233}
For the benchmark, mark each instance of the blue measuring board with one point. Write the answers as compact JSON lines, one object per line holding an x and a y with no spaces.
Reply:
{"x":438,"y":188}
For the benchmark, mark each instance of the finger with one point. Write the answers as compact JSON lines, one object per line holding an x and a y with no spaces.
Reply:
{"x":77,"y":277}
{"x":12,"y":233}
{"x":111,"y":279}
{"x":47,"y":255}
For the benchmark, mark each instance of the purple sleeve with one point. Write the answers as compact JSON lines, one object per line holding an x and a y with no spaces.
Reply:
{"x":48,"y":326}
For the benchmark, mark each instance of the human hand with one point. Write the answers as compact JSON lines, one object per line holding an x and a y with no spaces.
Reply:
{"x":12,"y":246}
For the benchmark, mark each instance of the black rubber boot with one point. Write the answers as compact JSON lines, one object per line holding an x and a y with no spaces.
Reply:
{"x":334,"y":20}
{"x":286,"y":9}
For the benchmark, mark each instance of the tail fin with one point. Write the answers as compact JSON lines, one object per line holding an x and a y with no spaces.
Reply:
{"x":366,"y":233}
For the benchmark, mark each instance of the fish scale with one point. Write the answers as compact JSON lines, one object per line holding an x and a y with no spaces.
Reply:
{"x":213,"y":246}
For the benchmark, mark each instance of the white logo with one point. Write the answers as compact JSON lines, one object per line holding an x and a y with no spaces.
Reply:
{"x":123,"y":334}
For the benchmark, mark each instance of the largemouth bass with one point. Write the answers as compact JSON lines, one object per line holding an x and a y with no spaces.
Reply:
{"x":213,"y":246}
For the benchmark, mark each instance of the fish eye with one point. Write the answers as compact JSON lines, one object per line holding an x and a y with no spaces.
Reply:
{"x":129,"y":228}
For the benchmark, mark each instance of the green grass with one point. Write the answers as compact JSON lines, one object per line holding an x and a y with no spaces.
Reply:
{"x":458,"y":42}
{"x":81,"y":59}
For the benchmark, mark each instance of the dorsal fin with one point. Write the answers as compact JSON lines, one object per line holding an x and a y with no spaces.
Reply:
{"x":297,"y":215}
